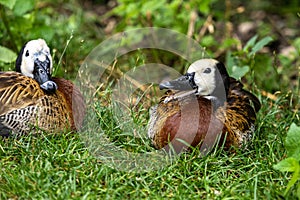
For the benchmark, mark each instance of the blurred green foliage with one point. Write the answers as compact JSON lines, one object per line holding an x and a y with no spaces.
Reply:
{"x":238,"y":65}
{"x":55,"y":21}
{"x":160,"y":13}
{"x":213,"y":24}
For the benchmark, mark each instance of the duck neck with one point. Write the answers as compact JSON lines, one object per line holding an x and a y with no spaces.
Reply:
{"x":216,"y":102}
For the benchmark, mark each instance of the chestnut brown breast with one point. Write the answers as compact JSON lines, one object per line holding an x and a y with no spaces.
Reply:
{"x":191,"y":120}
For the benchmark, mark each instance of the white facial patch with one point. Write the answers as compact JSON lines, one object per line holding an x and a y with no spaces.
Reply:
{"x":34,"y":49}
{"x":41,"y":57}
{"x":204,"y":78}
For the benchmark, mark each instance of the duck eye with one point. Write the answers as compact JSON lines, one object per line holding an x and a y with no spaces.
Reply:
{"x":207,"y":71}
{"x":27,"y":53}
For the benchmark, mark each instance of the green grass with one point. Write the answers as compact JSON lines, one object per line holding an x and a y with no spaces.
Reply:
{"x":60,"y":166}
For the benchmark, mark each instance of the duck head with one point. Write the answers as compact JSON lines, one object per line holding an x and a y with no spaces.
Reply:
{"x":34,"y":60}
{"x":207,"y":77}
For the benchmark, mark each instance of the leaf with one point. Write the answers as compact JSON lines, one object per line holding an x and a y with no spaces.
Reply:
{"x":151,"y":6}
{"x":204,"y":6}
{"x":23,"y":6}
{"x":239,"y":72}
{"x":45,"y":32}
{"x":291,"y":164}
{"x":7,"y":55}
{"x":229,"y":62}
{"x":250,"y":43}
{"x":298,"y":191}
{"x":8,"y":3}
{"x":287,"y":165}
{"x":293,"y":180}
{"x":296,"y":44}
{"x":292,"y":142}
{"x":259,"y":45}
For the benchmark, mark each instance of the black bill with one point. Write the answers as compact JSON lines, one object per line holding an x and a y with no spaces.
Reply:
{"x":185,"y":82}
{"x":42,"y":75}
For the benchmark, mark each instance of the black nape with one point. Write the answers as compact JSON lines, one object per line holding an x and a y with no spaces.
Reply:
{"x":19,"y":59}
{"x":224,"y":74}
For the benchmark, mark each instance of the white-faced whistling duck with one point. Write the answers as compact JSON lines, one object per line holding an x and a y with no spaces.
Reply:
{"x":207,"y":104}
{"x":32,"y":100}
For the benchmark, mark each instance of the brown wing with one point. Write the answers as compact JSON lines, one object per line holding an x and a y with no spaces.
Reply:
{"x":236,"y":88}
{"x":240,"y":114}
{"x":17,"y":91}
{"x":18,"y":102}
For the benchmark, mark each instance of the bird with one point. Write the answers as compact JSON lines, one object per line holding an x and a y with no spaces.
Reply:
{"x":31,"y":100}
{"x":202,"y":107}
